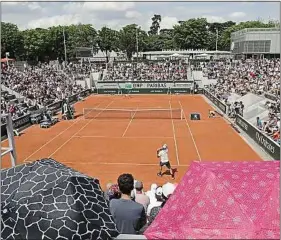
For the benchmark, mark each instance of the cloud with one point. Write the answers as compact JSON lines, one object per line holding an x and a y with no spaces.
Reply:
{"x":237,"y":15}
{"x":46,"y":22}
{"x":108,"y":6}
{"x":118,"y":14}
{"x":212,"y":19}
{"x":102,"y":6}
{"x":133,"y":14}
{"x":34,"y":6}
{"x":168,"y":22}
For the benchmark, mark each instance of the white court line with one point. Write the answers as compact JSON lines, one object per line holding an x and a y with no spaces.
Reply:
{"x":129,"y":124}
{"x":24,"y":130}
{"x":133,"y":137}
{"x":109,"y":163}
{"x":78,"y":120}
{"x":78,"y":131}
{"x":52,"y":139}
{"x":192,"y":137}
{"x":174,"y":134}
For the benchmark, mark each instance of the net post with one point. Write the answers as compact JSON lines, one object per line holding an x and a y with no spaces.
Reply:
{"x":181,"y":114}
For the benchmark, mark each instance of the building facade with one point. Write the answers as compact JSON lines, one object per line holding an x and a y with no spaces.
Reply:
{"x":185,"y":54}
{"x":256,"y":42}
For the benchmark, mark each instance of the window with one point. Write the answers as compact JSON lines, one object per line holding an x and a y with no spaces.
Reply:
{"x":257,"y":46}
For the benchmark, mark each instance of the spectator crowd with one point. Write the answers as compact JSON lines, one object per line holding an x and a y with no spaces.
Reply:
{"x":154,"y":71}
{"x":39,"y":85}
{"x":257,"y":76}
{"x":242,"y":76}
{"x":133,"y":210}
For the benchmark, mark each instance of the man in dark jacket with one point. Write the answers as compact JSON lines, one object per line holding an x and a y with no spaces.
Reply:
{"x":128,"y":215}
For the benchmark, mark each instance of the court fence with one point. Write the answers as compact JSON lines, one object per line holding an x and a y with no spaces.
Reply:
{"x":219,"y":104}
{"x":25,"y":121}
{"x":141,"y":87}
{"x":265,"y":142}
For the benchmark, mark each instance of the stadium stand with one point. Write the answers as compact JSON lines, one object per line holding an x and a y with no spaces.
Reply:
{"x":248,"y":83}
{"x":156,"y":71}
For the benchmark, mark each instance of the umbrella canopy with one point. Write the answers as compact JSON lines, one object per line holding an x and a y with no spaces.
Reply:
{"x":3,"y":60}
{"x":222,"y":201}
{"x":47,"y":200}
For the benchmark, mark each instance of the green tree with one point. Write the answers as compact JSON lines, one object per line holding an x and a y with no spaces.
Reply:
{"x":192,"y":33}
{"x":56,"y":42}
{"x":130,"y":37}
{"x":81,"y":35}
{"x":107,"y":40}
{"x":167,"y":38}
{"x":36,"y":44}
{"x":155,"y":25}
{"x":11,"y":40}
{"x":215,"y":29}
{"x":162,"y":41}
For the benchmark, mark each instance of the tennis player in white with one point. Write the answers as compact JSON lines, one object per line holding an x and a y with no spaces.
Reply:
{"x":162,"y":153}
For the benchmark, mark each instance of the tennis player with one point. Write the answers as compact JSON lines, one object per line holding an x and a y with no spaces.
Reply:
{"x":212,"y":114}
{"x":128,"y":93}
{"x":162,"y":153}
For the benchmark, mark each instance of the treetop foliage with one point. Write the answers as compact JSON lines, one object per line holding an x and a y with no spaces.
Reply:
{"x":48,"y":44}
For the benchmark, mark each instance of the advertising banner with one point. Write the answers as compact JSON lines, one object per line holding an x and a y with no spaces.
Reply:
{"x":54,"y":106}
{"x":22,"y":121}
{"x":271,"y":147}
{"x":270,"y":97}
{"x":217,"y":102}
{"x":142,"y":85}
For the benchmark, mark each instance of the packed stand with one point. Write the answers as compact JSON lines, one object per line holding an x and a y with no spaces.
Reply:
{"x":132,"y":208}
{"x":43,"y":84}
{"x":243,"y":76}
{"x":160,"y":71}
{"x":78,"y":71}
{"x":271,"y":127}
{"x":16,"y":107}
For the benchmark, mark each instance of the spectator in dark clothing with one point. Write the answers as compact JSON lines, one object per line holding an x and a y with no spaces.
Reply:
{"x":259,"y":123}
{"x":128,"y":215}
{"x":114,"y":192}
{"x":236,"y":107}
{"x":241,"y":108}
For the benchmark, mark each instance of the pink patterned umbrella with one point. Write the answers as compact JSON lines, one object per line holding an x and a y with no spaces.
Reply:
{"x":222,"y":200}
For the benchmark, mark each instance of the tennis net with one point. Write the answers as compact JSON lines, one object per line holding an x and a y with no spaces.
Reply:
{"x":105,"y":113}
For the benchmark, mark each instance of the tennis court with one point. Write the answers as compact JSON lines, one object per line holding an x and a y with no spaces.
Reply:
{"x":106,"y":146}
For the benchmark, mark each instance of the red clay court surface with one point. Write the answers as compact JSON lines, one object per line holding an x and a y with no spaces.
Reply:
{"x":106,"y":148}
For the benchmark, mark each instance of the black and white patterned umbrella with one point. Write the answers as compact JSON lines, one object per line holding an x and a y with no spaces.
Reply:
{"x":47,"y":200}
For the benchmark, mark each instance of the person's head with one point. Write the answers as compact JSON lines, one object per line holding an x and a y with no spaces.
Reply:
{"x":158,"y":194}
{"x":138,"y":186}
{"x":258,"y":118}
{"x":126,"y":183}
{"x":165,"y":146}
{"x":108,"y":186}
{"x":168,"y":189}
{"x":114,"y":192}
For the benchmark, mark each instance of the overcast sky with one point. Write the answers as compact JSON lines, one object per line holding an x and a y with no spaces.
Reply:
{"x":117,"y":14}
